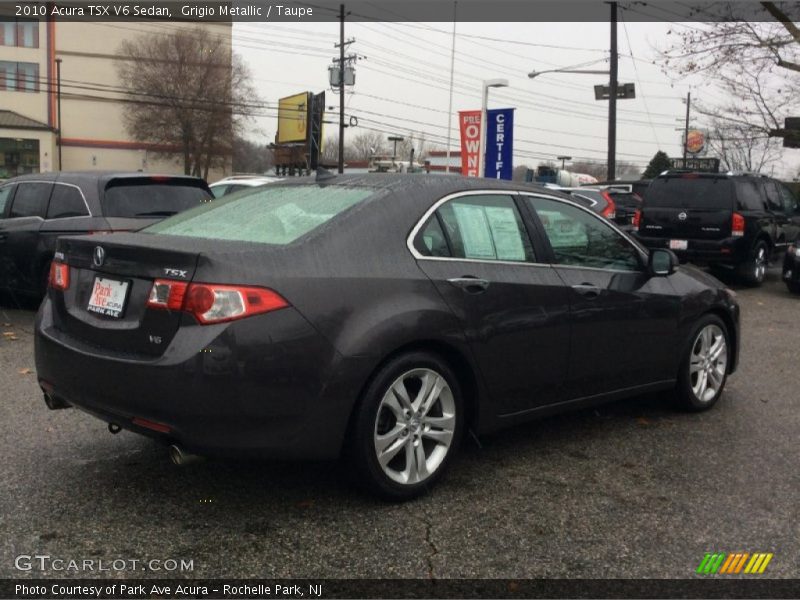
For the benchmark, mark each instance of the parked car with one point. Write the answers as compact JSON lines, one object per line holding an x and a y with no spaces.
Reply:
{"x":237,"y":183}
{"x":616,"y":205}
{"x":377,"y":315}
{"x":36,"y":209}
{"x":737,"y":220}
{"x":791,"y":269}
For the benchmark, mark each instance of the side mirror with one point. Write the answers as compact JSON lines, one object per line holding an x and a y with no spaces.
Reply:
{"x":662,"y":262}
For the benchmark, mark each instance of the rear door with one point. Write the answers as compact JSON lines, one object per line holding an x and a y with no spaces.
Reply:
{"x":688,"y":207}
{"x":623,"y":322}
{"x":791,"y":209}
{"x":513,"y":309}
{"x":19,"y":233}
{"x":785,"y":228}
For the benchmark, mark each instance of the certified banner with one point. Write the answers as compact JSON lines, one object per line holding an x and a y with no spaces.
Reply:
{"x":470,"y":122}
{"x":499,"y":143}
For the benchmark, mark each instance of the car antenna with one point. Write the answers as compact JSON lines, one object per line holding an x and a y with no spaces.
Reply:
{"x":324,"y":175}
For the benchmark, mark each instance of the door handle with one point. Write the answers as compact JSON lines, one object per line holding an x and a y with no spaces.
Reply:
{"x":471,"y":285}
{"x":587,"y":290}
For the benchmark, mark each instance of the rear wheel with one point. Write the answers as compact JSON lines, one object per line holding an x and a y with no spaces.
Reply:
{"x":704,"y":369}
{"x":754,"y":270}
{"x":408,"y":426}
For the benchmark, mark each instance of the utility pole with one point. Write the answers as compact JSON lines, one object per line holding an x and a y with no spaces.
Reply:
{"x":58,"y":104}
{"x":341,"y":88}
{"x":686,"y":126}
{"x":612,"y":100}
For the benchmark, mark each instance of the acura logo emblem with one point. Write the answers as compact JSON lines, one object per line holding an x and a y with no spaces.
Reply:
{"x":98,"y":256}
{"x":682,"y":216}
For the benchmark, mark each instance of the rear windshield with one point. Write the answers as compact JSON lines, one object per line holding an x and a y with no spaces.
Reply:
{"x":625,"y":199}
{"x":700,"y":192}
{"x":269,"y":215}
{"x":149,"y":198}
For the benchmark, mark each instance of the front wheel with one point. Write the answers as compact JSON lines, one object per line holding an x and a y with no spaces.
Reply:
{"x":704,"y":369}
{"x":408,"y":426}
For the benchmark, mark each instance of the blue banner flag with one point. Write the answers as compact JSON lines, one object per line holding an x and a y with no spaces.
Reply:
{"x":499,"y":143}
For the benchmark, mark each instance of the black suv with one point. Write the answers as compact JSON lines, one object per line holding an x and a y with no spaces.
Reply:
{"x":736,"y":220}
{"x":36,"y":209}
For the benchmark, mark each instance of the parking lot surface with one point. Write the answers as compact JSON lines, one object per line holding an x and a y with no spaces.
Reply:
{"x":633,"y":489}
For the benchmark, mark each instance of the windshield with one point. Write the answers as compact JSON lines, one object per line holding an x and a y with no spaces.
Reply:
{"x":270,"y":215}
{"x":147,"y":198}
{"x":697,"y":192}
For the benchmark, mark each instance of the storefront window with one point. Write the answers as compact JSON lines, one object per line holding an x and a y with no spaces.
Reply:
{"x":18,"y":157}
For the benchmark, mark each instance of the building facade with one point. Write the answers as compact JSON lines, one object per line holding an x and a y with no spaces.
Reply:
{"x":93,"y":133}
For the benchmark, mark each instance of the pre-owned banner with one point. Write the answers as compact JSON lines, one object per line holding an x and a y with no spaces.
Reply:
{"x":470,"y":122}
{"x":499,"y":143}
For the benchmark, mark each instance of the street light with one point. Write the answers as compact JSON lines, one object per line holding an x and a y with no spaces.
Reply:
{"x":563,"y":160}
{"x":489,"y":83}
{"x":533,"y":74}
{"x":395,"y":139}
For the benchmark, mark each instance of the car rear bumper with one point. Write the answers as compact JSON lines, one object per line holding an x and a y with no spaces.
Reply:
{"x":730,"y":251}
{"x":244,"y":393}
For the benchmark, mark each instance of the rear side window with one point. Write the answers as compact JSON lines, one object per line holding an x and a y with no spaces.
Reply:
{"x":148,"y":198}
{"x":748,"y":195}
{"x":272,"y":215}
{"x":695,"y":192}
{"x":486,"y":228}
{"x":66,"y":201}
{"x":31,"y":200}
{"x":5,"y":194}
{"x":431,"y":240}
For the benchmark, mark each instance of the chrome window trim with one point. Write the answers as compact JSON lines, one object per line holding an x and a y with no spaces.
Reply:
{"x":511,"y":193}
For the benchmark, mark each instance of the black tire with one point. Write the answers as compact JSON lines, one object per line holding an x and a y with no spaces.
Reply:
{"x":373,"y":418}
{"x":688,"y":380}
{"x":794,"y":286}
{"x":754,"y":270}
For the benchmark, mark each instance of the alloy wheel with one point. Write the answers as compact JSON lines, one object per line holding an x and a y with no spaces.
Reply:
{"x":760,"y":264}
{"x":414,"y":427}
{"x":708,"y":363}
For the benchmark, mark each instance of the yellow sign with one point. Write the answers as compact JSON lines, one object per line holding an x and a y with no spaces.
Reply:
{"x":293,"y":118}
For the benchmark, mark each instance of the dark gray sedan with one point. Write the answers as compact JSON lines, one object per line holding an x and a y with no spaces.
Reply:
{"x":379,"y":316}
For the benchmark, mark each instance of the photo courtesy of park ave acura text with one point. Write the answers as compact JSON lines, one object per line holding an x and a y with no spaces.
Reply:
{"x":399,"y":299}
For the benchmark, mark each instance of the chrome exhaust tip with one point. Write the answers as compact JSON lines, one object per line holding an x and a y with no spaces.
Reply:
{"x":181,"y":458}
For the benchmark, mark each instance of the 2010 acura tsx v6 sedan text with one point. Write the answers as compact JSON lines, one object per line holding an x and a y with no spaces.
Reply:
{"x":376,"y":316}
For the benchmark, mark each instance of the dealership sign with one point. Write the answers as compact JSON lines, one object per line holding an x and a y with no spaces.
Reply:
{"x":499,"y":143}
{"x":470,"y":121}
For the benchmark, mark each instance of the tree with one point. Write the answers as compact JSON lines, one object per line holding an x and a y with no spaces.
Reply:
{"x":520,"y":172}
{"x":658,"y":164}
{"x":599,"y":170}
{"x":751,"y":54}
{"x":188,"y":91}
{"x":739,"y":150}
{"x":251,"y":157}
{"x":366,"y":144}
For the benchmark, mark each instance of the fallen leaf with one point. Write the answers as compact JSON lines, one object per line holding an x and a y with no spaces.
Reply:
{"x":25,"y":371}
{"x":305,"y":504}
{"x":643,"y":421}
{"x":9,"y":333}
{"x":7,"y":325}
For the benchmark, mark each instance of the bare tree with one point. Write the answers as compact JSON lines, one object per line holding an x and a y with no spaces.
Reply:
{"x":752,"y":62}
{"x":366,"y":144}
{"x":739,"y":149}
{"x":187,"y":91}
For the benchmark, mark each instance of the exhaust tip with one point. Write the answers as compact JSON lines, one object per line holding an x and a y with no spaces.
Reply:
{"x":55,"y":403}
{"x":180,"y":457}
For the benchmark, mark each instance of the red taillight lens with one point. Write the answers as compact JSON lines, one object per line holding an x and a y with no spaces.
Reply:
{"x":610,"y":211}
{"x":737,"y":225}
{"x":637,"y":219}
{"x":167,"y":294}
{"x":59,"y":276}
{"x":211,"y":303}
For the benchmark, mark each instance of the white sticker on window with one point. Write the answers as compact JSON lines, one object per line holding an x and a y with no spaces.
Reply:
{"x":475,"y":233}
{"x":506,"y":233}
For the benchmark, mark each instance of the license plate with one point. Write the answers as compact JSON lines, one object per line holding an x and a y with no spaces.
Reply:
{"x":108,"y":297}
{"x":678,"y":244}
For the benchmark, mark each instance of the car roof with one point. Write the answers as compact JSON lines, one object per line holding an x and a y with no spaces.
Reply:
{"x":246,"y":181}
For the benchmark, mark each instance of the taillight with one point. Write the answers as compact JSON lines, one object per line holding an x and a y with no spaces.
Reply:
{"x":610,"y":211}
{"x":637,"y":219}
{"x":737,"y":225}
{"x":59,"y":276}
{"x":212,"y":303}
{"x":168,"y":294}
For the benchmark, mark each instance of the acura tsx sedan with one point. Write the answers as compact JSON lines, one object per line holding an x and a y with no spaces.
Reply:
{"x":377,"y":317}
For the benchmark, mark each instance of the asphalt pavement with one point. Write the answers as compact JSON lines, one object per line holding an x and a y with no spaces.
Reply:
{"x":629,"y":490}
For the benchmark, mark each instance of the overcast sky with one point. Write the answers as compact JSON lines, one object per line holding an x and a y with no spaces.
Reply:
{"x":402,"y":83}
